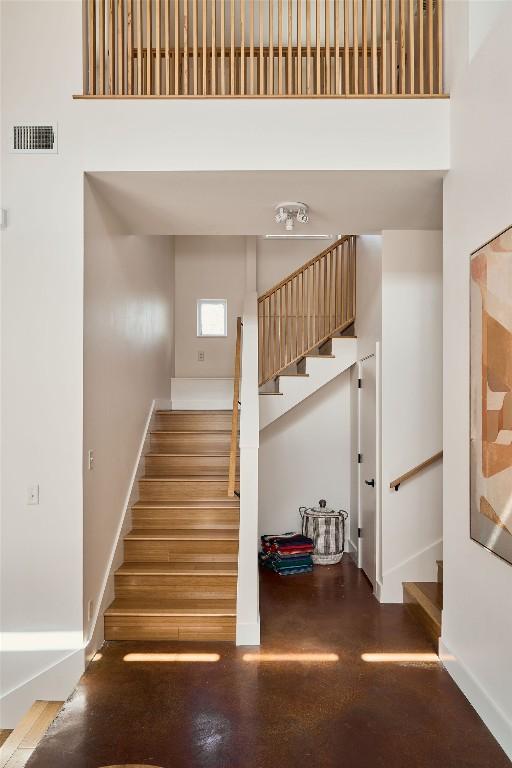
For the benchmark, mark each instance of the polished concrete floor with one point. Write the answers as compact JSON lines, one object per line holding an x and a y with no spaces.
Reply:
{"x":322,"y":705}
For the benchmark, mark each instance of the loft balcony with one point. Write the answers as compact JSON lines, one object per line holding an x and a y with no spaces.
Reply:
{"x":332,"y":49}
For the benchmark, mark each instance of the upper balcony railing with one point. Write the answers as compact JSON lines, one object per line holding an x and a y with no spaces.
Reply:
{"x":263,"y":48}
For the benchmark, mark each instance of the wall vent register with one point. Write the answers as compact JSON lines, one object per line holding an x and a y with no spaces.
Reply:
{"x":37,"y":139}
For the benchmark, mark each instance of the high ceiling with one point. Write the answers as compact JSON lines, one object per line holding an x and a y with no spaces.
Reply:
{"x":242,"y":203}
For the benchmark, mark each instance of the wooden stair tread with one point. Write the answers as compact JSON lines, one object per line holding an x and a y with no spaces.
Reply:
{"x":187,"y":504}
{"x":270,"y":393}
{"x":184,"y":478}
{"x":293,"y":375}
{"x":317,"y":354}
{"x":193,"y":412}
{"x":187,"y":455}
{"x":194,"y":432}
{"x":28,"y":733}
{"x":131,"y":607}
{"x":178,"y":569}
{"x":428,"y":595}
{"x":187,"y":534}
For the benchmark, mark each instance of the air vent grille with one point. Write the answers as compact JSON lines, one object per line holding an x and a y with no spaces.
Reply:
{"x":34,"y":138}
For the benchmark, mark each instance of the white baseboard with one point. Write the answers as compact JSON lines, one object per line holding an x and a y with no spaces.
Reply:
{"x":248,"y":634}
{"x":55,"y":683}
{"x":421,"y":566}
{"x":95,"y":637}
{"x":495,"y":719}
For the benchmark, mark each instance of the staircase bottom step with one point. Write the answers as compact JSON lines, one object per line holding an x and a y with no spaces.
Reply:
{"x":424,"y":600}
{"x":171,"y":620}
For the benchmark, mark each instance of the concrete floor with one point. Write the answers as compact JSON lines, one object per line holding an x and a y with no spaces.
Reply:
{"x":238,"y":713}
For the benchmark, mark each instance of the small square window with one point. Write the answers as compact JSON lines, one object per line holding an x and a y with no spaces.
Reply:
{"x":212,"y":315}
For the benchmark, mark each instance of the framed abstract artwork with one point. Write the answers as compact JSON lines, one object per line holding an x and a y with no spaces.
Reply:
{"x":491,"y":395}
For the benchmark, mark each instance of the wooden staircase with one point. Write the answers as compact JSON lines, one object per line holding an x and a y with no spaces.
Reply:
{"x":425,"y":601}
{"x":179,"y":576}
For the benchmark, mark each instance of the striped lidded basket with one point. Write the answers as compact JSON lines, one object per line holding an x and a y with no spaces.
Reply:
{"x":326,"y":527}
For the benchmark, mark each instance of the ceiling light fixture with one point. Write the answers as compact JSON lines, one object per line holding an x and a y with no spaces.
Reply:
{"x":289,"y":213}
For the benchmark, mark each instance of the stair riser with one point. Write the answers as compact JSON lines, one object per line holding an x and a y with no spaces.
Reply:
{"x":176,"y":587}
{"x":183,"y":422}
{"x":147,"y":551}
{"x":201,"y":443}
{"x":174,"y":519}
{"x":167,"y":466}
{"x":186,"y":490}
{"x":191,"y":628}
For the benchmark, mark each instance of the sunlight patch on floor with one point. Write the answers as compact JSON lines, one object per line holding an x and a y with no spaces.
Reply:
{"x":399,"y":658}
{"x":172,"y":657}
{"x":309,"y":658}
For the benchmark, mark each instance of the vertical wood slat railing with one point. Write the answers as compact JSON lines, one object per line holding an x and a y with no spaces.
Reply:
{"x":305,"y":309}
{"x":262,"y":48}
{"x":235,"y":417}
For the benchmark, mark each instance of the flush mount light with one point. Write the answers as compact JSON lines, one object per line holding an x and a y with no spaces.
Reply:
{"x":289,"y":213}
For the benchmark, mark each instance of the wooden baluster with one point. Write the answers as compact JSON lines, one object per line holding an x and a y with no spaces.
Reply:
{"x":194,"y":49}
{"x":375,"y":62}
{"x":318,"y":85}
{"x":327,"y":23}
{"x":289,"y":65}
{"x":286,"y":322}
{"x":280,"y":47}
{"x":185,"y":47}
{"x":421,"y":47}
{"x":281,"y":334}
{"x":101,"y":31}
{"x":242,"y":47}
{"x":213,"y":63}
{"x":364,"y":34}
{"x":232,"y":50}
{"x":308,"y":47}
{"x":167,"y":47}
{"x":299,"y":47}
{"x":251,"y":46}
{"x":177,"y":55}
{"x":430,"y":8}
{"x":85,"y":48}
{"x":412,"y":84}
{"x":271,"y":47}
{"x":120,"y":48}
{"x":384,"y":52}
{"x":401,"y":37}
{"x":326,"y":295}
{"x":222,"y":47}
{"x":262,"y":79}
{"x":139,"y":47}
{"x":337,"y":86}
{"x":111,"y":48}
{"x":204,"y":84}
{"x":392,"y":28}
{"x":91,"y":34}
{"x":149,"y":46}
{"x":346,"y":48}
{"x":355,"y":34}
{"x":440,"y":87}
{"x":158,"y":49}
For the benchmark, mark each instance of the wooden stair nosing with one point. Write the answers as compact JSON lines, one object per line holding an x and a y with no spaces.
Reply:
{"x":187,"y":534}
{"x":178,"y":569}
{"x":202,"y":504}
{"x":193,"y":412}
{"x":171,"y":608}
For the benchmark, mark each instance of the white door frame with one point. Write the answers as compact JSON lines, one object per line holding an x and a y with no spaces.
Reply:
{"x":378,"y":473}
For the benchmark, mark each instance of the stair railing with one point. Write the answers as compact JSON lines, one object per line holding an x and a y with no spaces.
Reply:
{"x":235,"y":417}
{"x":397,"y":482}
{"x":305,"y":309}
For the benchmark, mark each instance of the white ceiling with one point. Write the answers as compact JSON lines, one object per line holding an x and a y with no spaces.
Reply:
{"x":242,"y":203}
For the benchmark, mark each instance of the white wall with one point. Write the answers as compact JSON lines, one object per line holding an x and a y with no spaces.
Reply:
{"x":368,"y":328}
{"x":477,"y":620}
{"x":42,"y":268}
{"x":304,"y":457}
{"x":128,"y":349}
{"x":411,"y":407}
{"x":207,"y":268}
{"x":279,"y":258}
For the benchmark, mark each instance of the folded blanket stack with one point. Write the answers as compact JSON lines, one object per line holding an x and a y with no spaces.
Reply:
{"x":287,"y":553}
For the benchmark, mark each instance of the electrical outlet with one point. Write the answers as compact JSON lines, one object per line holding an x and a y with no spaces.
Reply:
{"x":90,"y":606}
{"x":33,"y":494}
{"x":90,"y":459}
{"x":200,"y":357}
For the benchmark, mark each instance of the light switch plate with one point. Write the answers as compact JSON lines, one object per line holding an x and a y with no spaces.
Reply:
{"x":200,"y":357}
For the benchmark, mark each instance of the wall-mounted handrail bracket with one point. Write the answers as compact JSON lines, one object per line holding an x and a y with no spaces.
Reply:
{"x":395,"y":484}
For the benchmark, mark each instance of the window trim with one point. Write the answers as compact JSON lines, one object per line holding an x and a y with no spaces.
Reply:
{"x":200,"y":335}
